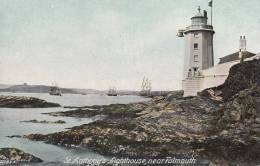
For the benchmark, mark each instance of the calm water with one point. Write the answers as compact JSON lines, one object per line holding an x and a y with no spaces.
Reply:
{"x":11,"y":125}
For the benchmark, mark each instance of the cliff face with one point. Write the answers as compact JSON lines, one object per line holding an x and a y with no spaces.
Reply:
{"x":219,"y":126}
{"x":241,"y":76}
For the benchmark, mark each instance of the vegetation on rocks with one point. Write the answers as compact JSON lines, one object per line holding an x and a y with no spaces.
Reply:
{"x":10,"y":156}
{"x":24,"y":102}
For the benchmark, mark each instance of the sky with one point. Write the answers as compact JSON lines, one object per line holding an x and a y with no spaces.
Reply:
{"x":102,"y":43}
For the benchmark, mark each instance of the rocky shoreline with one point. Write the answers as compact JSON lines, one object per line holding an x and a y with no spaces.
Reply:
{"x":24,"y":102}
{"x":219,"y":126}
{"x":13,"y":156}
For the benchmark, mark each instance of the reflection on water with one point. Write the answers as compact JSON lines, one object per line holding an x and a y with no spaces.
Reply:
{"x":11,"y":125}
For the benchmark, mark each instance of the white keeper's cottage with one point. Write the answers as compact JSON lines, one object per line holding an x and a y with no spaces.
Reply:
{"x":199,"y":70}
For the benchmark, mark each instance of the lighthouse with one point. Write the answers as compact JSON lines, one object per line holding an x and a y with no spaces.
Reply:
{"x":199,"y":70}
{"x":198,"y":51}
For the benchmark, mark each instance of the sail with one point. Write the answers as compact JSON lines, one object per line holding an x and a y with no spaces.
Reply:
{"x":145,"y":87}
{"x":112,"y":91}
{"x":55,"y":90}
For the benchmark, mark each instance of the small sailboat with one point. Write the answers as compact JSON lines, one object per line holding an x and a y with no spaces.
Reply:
{"x":55,"y":90}
{"x":112,"y":92}
{"x":146,"y":87}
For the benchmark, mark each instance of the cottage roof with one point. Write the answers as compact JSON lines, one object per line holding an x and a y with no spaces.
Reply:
{"x":235,"y":56}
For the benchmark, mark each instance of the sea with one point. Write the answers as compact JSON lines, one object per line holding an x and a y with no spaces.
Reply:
{"x":10,"y":124}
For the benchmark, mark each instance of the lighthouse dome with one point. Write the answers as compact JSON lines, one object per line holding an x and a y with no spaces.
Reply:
{"x":199,"y":14}
{"x":199,"y":18}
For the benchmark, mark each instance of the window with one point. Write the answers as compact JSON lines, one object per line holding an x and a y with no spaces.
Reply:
{"x":189,"y":73}
{"x":196,"y":73}
{"x":196,"y":35}
{"x":196,"y":46}
{"x":196,"y":58}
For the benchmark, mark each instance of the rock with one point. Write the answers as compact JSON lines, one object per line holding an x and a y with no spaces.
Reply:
{"x":235,"y":115}
{"x":14,"y":136}
{"x":257,"y":120}
{"x":224,"y":132}
{"x":79,"y":112}
{"x":113,"y":110}
{"x":256,"y":130}
{"x":158,"y":98}
{"x":45,"y":122}
{"x":174,"y":95}
{"x":38,"y":137}
{"x":59,"y":122}
{"x":215,"y":95}
{"x":86,"y":140}
{"x":242,"y":106}
{"x":24,"y":102}
{"x":15,"y":156}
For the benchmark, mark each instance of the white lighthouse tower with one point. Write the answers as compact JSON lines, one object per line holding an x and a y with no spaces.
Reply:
{"x":198,"y":52}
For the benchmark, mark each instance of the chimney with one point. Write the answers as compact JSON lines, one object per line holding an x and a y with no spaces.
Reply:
{"x":242,"y":43}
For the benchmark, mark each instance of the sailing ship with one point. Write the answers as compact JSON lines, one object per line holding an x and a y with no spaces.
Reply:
{"x":55,"y":90}
{"x":146,"y":87}
{"x":112,"y":92}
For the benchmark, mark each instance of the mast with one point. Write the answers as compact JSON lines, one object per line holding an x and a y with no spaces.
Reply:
{"x":143,"y":84}
{"x":147,"y":85}
{"x":150,"y":85}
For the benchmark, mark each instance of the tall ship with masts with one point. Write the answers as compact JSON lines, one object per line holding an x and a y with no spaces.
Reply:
{"x":112,"y":92}
{"x":55,"y":90}
{"x":146,"y":87}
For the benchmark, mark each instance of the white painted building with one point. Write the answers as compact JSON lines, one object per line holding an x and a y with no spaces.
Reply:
{"x":199,"y":70}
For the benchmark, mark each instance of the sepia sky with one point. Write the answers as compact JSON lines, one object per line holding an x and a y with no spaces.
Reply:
{"x":103,"y":43}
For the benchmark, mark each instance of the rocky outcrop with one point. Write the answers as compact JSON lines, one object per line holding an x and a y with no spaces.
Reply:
{"x":24,"y":102}
{"x":82,"y":112}
{"x":113,"y":111}
{"x":45,"y":122}
{"x":11,"y":156}
{"x":14,"y":136}
{"x":241,"y":76}
{"x":174,"y":95}
{"x":211,"y":127}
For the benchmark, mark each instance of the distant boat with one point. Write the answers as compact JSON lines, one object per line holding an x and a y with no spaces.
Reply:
{"x":146,"y":87}
{"x":55,"y":90}
{"x":112,"y":92}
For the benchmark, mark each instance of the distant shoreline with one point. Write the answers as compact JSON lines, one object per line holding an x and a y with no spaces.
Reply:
{"x":46,"y":89}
